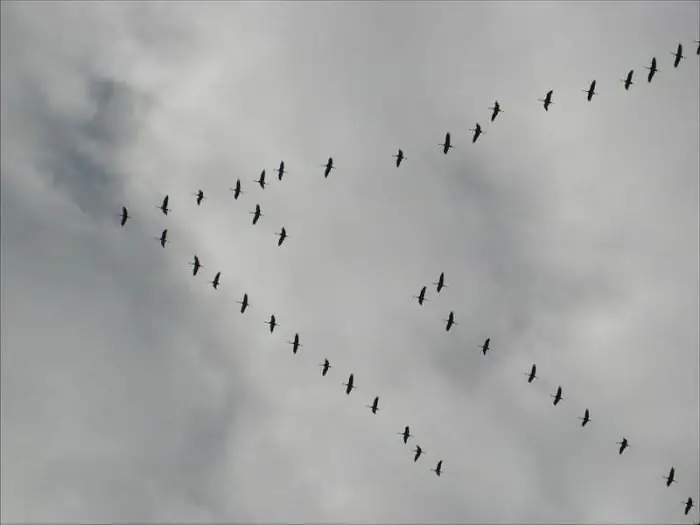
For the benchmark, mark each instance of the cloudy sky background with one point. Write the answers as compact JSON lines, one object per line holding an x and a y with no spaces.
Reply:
{"x":132,"y":391}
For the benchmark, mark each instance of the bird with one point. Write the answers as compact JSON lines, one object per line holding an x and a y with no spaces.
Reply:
{"x":164,"y":205}
{"x":261,"y":180}
{"x":440,"y":282}
{"x":671,"y":477}
{"x":586,"y":418}
{"x":329,"y":166}
{"x":295,"y":344}
{"x":447,"y":145}
{"x":496,"y":108}
{"x":438,"y":469}
{"x":324,"y":367}
{"x":623,"y":445}
{"x":477,"y":131}
{"x":200,"y":197}
{"x":557,"y":397}
{"x":590,"y":91}
{"x":244,"y":303}
{"x":652,"y":69}
{"x":215,"y":282}
{"x":532,"y":374}
{"x":272,"y":322}
{"x":547,"y":100}
{"x":678,"y":55}
{"x":282,"y":236}
{"x":418,"y":450}
{"x":256,"y":214}
{"x":485,"y":346}
{"x":195,"y":265}
{"x":697,"y":53}
{"x":406,"y":434}
{"x":163,"y":238}
{"x":374,"y":406}
{"x":124,"y":215}
{"x":421,"y":296}
{"x":399,"y":157}
{"x":280,"y":171}
{"x":450,"y":321}
{"x":237,"y":190}
{"x":688,"y":505}
{"x":628,"y":80}
{"x":350,"y":384}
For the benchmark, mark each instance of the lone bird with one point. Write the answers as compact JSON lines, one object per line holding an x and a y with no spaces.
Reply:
{"x":485,"y":346}
{"x":124,"y":215}
{"x":164,"y":205}
{"x":421,"y":296}
{"x":237,"y":190}
{"x":418,"y":452}
{"x":328,"y":167}
{"x":547,"y":100}
{"x":671,"y":477}
{"x":200,"y":197}
{"x":324,"y":367}
{"x":215,"y":282}
{"x":406,"y":434}
{"x":477,"y":131}
{"x":195,"y":265}
{"x":623,"y":445}
{"x":532,"y":374}
{"x":280,"y":171}
{"x":678,"y":55}
{"x":261,"y":180}
{"x":256,"y":214}
{"x":557,"y":397}
{"x":374,"y":406}
{"x":438,"y":469}
{"x":282,"y":236}
{"x":586,"y":418}
{"x":689,"y":503}
{"x":399,"y":157}
{"x":441,"y":282}
{"x":163,"y":238}
{"x":628,"y":80}
{"x":272,"y":322}
{"x":697,"y":53}
{"x":590,"y":91}
{"x":350,"y":384}
{"x":496,"y":108}
{"x":450,"y":321}
{"x":243,"y":303}
{"x":295,"y":344}
{"x":652,"y":69}
{"x":447,"y":145}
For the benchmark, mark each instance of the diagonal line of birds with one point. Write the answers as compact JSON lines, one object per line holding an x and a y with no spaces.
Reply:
{"x":440,"y":283}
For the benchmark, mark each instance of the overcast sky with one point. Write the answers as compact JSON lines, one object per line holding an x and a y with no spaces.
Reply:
{"x":135,"y":392}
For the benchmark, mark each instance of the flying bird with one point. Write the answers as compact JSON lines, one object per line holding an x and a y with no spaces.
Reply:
{"x":329,"y":166}
{"x":324,"y":367}
{"x":697,"y":53}
{"x":418,"y":452}
{"x":350,"y":384}
{"x":256,"y":214}
{"x":282,"y":236}
{"x":586,"y":418}
{"x":590,"y":91}
{"x":124,"y":215}
{"x":441,"y":282}
{"x":272,"y":322}
{"x":485,"y":346}
{"x":450,"y":321}
{"x":447,"y":144}
{"x":374,"y":406}
{"x":477,"y":131}
{"x":496,"y":108}
{"x":244,"y":303}
{"x":163,"y":238}
{"x":652,"y":69}
{"x":261,"y":180}
{"x":557,"y":397}
{"x":421,"y":296}
{"x":532,"y":374}
{"x":195,"y":265}
{"x":200,"y":197}
{"x":623,"y":445}
{"x":295,"y":344}
{"x":689,"y":503}
{"x":215,"y":282}
{"x":547,"y":100}
{"x":280,"y":171}
{"x":164,"y":205}
{"x":678,"y":54}
{"x":671,"y":477}
{"x":628,"y":80}
{"x":399,"y":157}
{"x":438,"y":469}
{"x":237,"y":190}
{"x":405,"y":434}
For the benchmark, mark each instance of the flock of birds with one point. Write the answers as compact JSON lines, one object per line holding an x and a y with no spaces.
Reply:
{"x":440,"y":283}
